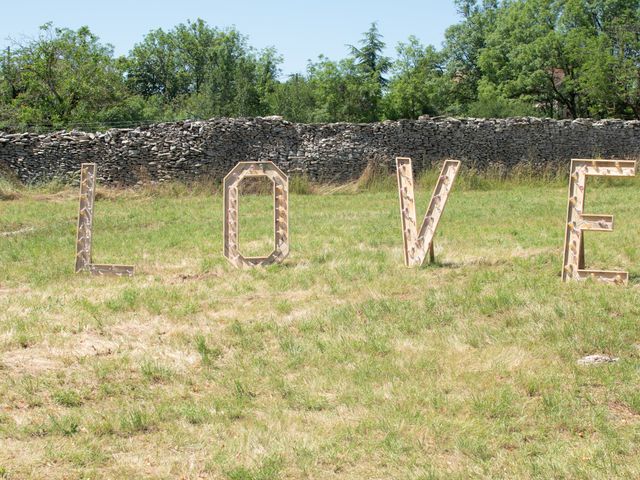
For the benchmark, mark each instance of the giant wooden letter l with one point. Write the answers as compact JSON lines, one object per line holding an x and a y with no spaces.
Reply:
{"x":85,"y":228}
{"x":578,"y":221}
{"x":417,"y":244}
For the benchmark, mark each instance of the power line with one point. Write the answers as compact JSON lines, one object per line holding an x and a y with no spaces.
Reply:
{"x":95,"y":124}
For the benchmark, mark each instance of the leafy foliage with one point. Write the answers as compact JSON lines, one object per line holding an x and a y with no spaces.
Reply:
{"x":559,"y":58}
{"x":63,"y":76}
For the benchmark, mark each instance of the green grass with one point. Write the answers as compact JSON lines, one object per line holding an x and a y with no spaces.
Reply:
{"x":338,"y":363}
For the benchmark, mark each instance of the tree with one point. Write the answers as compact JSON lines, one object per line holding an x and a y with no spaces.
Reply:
{"x":529,"y":56}
{"x":203,"y":71}
{"x":194,"y":44}
{"x":611,"y":80}
{"x":155,"y":67}
{"x":267,"y":72}
{"x":463,"y":45}
{"x":569,"y":57}
{"x":294,"y":99}
{"x":418,"y":85}
{"x":231,"y":86}
{"x":9,"y":77}
{"x":63,"y":77}
{"x":372,"y":66}
{"x":333,"y":84}
{"x":562,"y":58}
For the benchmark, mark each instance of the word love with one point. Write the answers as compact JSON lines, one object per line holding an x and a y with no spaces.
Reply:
{"x":417,"y":241}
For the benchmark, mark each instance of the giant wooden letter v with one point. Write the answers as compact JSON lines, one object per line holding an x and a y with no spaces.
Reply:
{"x":417,"y":244}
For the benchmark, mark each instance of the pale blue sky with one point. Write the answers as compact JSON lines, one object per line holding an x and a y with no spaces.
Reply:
{"x":299,"y":30}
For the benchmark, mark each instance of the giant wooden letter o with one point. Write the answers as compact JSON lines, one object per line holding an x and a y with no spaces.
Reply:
{"x":281,"y":212}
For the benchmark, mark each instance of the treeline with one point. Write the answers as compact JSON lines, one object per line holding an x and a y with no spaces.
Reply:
{"x":555,"y":58}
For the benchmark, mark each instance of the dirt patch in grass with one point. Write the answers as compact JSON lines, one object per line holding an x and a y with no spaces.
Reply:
{"x":623,"y":413}
{"x":92,"y":345}
{"x":32,"y":360}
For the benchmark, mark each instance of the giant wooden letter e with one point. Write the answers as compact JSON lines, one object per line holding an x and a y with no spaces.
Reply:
{"x":578,"y":221}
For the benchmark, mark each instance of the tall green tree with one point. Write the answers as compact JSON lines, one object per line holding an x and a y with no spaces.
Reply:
{"x":267,"y":72}
{"x":294,"y":99}
{"x":10,"y":85}
{"x":156,"y":67}
{"x":204,"y":71}
{"x":418,"y":85}
{"x":463,"y":45}
{"x":611,"y":80}
{"x":338,"y":89}
{"x":569,"y":57}
{"x":195,"y":44}
{"x":61,"y":78}
{"x":372,"y":66}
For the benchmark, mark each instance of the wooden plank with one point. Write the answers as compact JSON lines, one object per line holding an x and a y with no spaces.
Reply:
{"x":578,"y":221}
{"x":418,"y":244}
{"x":608,"y":168}
{"x":618,"y":278}
{"x":115,"y":270}
{"x":597,"y":223}
{"x":85,"y":216}
{"x":84,"y":235}
{"x":231,"y":233}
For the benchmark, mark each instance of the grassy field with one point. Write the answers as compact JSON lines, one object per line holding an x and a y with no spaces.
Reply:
{"x":339,"y":363}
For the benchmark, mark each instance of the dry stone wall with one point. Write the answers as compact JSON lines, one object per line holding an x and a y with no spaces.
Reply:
{"x":337,"y":152}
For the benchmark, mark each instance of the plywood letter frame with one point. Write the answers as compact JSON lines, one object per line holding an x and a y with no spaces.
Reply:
{"x":418,"y":243}
{"x":84,"y":237}
{"x":231,"y":231}
{"x":573,"y":267}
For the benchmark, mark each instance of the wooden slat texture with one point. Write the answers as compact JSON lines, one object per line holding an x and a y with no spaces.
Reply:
{"x":231,"y":232}
{"x":417,"y":244}
{"x":84,"y":236}
{"x":115,"y":270}
{"x":578,"y":221}
{"x":618,"y":278}
{"x":85,"y":216}
{"x":597,"y":223}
